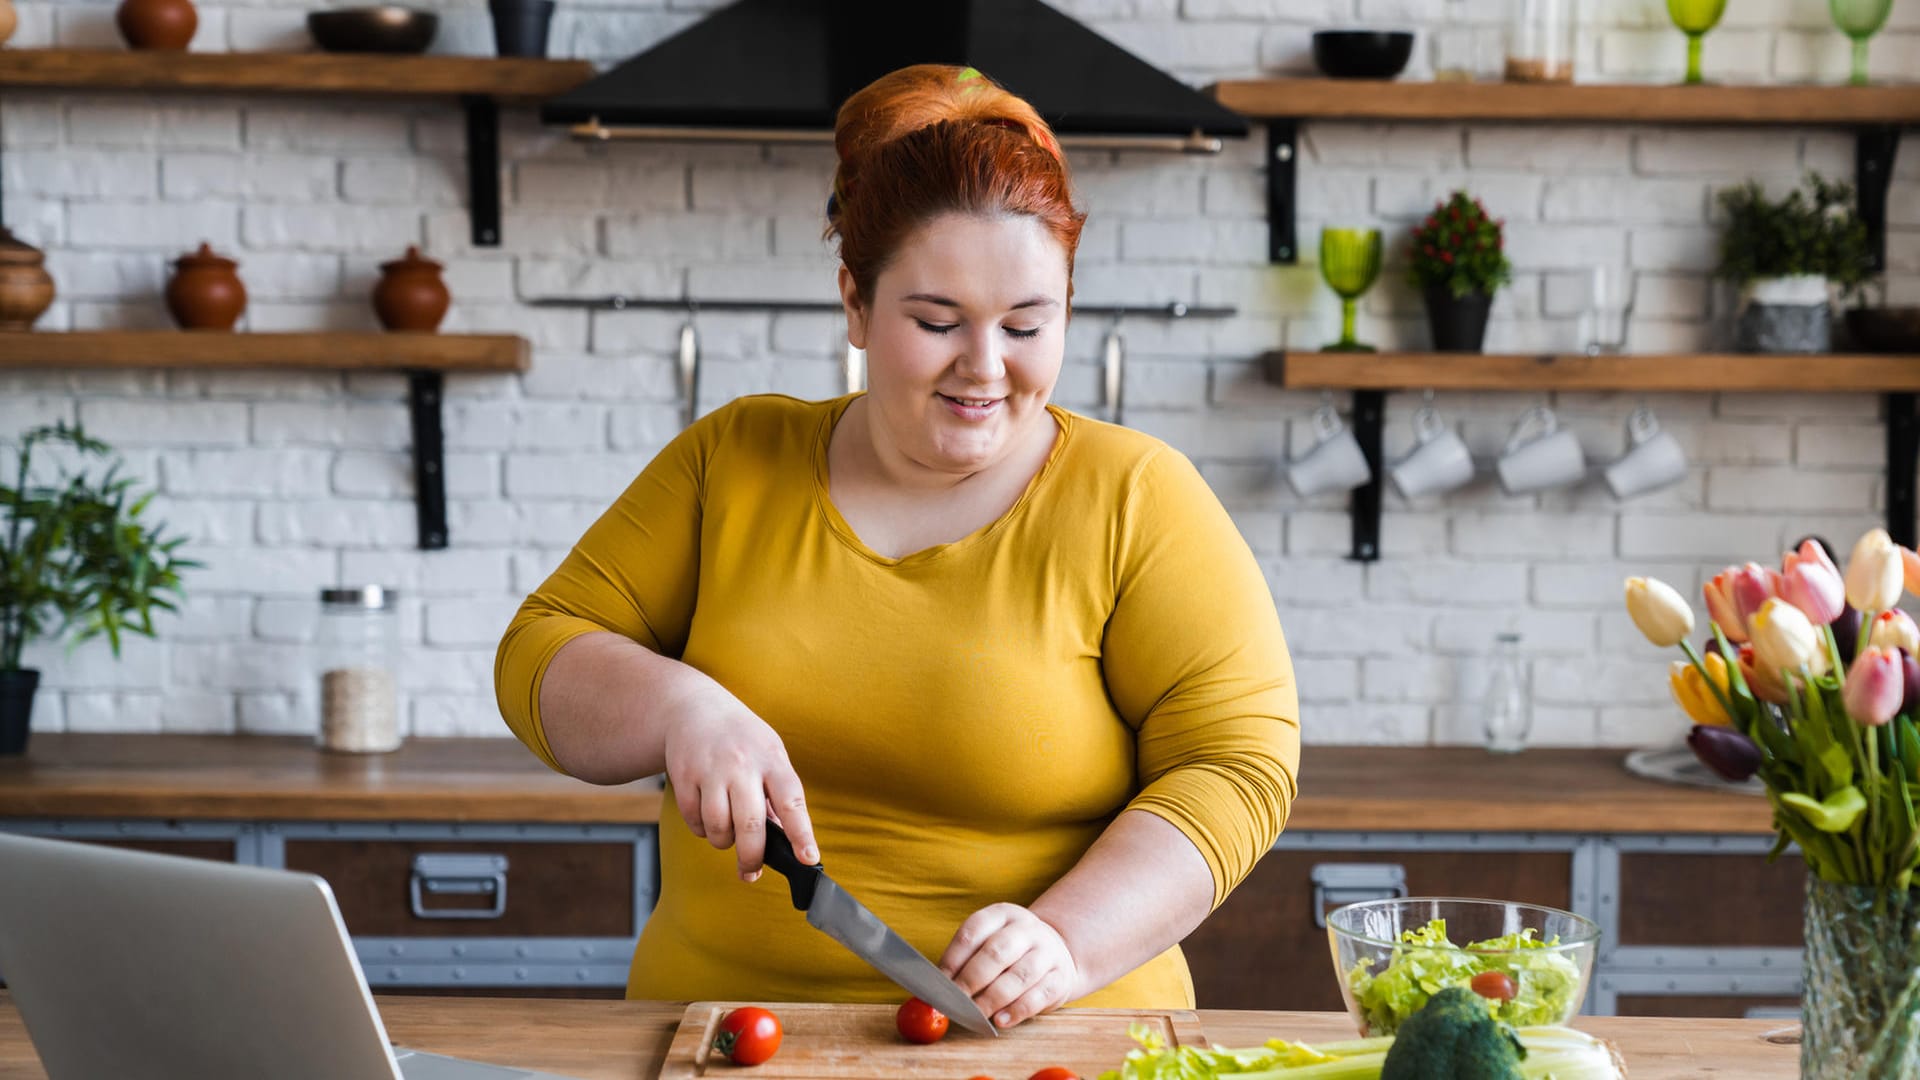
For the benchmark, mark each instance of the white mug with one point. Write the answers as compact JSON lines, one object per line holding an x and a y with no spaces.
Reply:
{"x":1335,"y":462}
{"x":1540,"y":454}
{"x":1653,"y":459}
{"x":1438,"y":462}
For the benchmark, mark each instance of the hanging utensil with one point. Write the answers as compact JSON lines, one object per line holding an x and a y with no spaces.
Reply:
{"x":1113,"y":358}
{"x":689,"y":371}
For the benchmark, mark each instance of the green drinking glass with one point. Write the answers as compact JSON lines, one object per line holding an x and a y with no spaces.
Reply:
{"x":1860,"y":20}
{"x":1349,"y":263}
{"x":1695,"y":18}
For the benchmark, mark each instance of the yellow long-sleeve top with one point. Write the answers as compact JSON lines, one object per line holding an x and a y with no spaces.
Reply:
{"x":966,"y":720}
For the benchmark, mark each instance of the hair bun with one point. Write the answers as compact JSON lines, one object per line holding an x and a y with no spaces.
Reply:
{"x":904,"y":101}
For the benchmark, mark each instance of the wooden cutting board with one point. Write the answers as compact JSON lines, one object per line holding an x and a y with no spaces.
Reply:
{"x":851,"y":1042}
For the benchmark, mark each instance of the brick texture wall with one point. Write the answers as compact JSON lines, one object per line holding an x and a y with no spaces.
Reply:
{"x":289,"y":482}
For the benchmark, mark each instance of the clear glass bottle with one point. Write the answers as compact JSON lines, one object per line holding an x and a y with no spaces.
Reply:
{"x":356,"y":644}
{"x":1541,"y":37}
{"x":1507,"y":707}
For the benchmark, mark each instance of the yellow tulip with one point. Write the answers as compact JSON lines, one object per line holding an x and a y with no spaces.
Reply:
{"x":1695,"y":692}
{"x":1660,"y":612}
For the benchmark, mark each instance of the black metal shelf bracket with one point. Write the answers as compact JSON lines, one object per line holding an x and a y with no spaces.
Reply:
{"x":1283,"y":153}
{"x":1903,"y":463}
{"x":1873,"y":152}
{"x":1369,"y":421}
{"x":483,"y":168}
{"x":429,"y":458}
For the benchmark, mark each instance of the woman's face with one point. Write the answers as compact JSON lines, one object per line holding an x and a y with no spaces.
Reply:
{"x":964,"y":339}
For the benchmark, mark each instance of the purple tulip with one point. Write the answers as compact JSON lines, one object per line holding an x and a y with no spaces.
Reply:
{"x":1846,"y":633}
{"x":1910,"y":672}
{"x":1725,"y":751}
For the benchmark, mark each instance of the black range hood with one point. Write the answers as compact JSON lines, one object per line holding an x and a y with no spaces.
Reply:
{"x":784,"y":66}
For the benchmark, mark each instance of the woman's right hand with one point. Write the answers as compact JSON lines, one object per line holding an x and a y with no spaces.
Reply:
{"x":727,"y":768}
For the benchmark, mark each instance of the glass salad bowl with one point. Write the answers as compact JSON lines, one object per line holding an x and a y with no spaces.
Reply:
{"x":1392,"y":955}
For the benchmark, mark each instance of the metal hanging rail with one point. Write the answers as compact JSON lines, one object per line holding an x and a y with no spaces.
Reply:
{"x":1172,"y":310}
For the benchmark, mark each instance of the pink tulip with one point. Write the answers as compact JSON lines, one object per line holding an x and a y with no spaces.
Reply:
{"x":1735,"y":594}
{"x":1810,"y":582}
{"x":1875,"y":685}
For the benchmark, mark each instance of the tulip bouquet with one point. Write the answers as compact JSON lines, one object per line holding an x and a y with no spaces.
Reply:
{"x":1789,"y":688}
{"x":1809,"y":681}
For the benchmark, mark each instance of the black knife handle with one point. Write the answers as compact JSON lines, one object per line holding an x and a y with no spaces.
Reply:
{"x":801,"y":878}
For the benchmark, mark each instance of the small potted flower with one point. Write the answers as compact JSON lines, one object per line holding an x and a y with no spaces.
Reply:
{"x":1458,"y":258}
{"x":1786,"y":256}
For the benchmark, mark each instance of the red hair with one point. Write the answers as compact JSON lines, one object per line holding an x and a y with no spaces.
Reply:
{"x":934,"y":139}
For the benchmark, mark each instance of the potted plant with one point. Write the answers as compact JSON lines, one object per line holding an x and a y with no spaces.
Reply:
{"x":1458,"y":258}
{"x":75,"y":560}
{"x":1786,"y":256}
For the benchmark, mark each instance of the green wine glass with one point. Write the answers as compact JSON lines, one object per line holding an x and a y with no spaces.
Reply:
{"x":1349,"y":263}
{"x":1695,"y":18}
{"x":1860,"y":20}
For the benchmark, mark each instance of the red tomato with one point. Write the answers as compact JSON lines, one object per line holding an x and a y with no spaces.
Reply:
{"x":1493,"y":984}
{"x":920,"y":1022}
{"x":1055,"y":1072}
{"x":748,"y":1036}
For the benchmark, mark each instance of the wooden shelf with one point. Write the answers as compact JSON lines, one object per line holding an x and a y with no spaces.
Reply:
{"x":292,"y":73}
{"x":210,"y":349}
{"x":1730,"y":373}
{"x":1363,"y":99}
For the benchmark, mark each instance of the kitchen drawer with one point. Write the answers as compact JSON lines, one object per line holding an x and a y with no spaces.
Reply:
{"x":570,"y":889}
{"x":1734,"y":1006}
{"x":1680,"y":900}
{"x":1262,"y":950}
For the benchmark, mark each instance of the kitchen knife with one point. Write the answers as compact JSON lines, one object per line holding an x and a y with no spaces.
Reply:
{"x":833,"y":910}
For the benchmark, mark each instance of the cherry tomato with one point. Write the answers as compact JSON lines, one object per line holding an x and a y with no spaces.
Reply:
{"x":748,"y":1036}
{"x":1055,"y":1072}
{"x":1497,"y":985}
{"x":920,"y":1022}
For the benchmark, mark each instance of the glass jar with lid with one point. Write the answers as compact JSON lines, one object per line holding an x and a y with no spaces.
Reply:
{"x":357,"y":641}
{"x":1541,"y":37}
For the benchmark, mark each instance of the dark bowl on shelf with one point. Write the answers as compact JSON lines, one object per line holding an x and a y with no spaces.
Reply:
{"x":1885,"y":330}
{"x":1362,"y":54}
{"x":373,"y":29}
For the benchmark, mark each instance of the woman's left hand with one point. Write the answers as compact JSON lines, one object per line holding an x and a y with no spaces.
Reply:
{"x":1014,"y":964}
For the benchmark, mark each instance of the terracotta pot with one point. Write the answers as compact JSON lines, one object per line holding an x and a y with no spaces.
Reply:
{"x":157,"y":24}
{"x":26,"y":289}
{"x":9,"y":20}
{"x":205,"y":293}
{"x":411,"y":295}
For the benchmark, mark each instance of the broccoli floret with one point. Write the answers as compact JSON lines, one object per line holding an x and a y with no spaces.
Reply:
{"x":1454,"y":1037}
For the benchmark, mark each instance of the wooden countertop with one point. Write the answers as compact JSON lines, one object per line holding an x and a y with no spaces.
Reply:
{"x":1348,"y":789}
{"x":604,"y":1040}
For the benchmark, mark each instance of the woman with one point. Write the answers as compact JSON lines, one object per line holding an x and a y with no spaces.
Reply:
{"x":1012,"y":673}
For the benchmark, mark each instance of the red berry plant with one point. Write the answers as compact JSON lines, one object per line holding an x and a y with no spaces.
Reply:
{"x":1460,"y":248}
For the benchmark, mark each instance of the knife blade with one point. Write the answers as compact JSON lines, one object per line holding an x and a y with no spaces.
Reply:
{"x":834,"y":911}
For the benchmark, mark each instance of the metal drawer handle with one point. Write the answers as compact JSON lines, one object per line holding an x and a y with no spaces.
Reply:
{"x":1349,"y":883}
{"x":459,"y":875}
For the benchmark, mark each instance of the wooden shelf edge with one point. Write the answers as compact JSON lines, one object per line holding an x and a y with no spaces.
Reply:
{"x":1680,"y":372}
{"x":1363,"y":99}
{"x":341,"y":350}
{"x":292,"y":73}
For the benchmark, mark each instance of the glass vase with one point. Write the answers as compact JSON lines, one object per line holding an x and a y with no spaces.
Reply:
{"x":1695,"y":18}
{"x":1861,"y":1006}
{"x":1860,"y":20}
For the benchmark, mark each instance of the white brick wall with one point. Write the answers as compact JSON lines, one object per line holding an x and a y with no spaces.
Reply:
{"x":287,"y":482}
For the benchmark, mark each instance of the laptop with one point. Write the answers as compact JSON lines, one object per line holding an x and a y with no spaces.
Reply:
{"x":131,"y":964}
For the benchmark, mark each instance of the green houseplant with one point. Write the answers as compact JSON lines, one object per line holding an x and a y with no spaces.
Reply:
{"x":76,"y":560}
{"x":1458,"y":258}
{"x":1785,"y":255}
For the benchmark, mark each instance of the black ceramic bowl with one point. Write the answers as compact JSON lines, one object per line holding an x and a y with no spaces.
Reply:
{"x":373,"y":29}
{"x":1362,"y":54}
